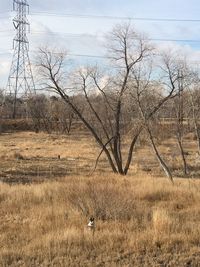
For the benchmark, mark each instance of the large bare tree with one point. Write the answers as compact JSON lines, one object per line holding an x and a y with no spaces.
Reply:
{"x":126,"y":49}
{"x":104,"y":105}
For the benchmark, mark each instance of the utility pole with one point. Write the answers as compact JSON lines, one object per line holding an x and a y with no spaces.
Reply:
{"x":20,"y":80}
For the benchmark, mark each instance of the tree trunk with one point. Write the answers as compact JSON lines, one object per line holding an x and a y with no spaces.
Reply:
{"x":160,"y":160}
{"x":130,"y":154}
{"x":185,"y":169}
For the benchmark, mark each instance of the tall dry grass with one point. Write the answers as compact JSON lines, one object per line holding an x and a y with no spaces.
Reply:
{"x":140,"y":221}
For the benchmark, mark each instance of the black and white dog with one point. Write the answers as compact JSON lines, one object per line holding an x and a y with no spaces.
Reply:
{"x":91,"y":224}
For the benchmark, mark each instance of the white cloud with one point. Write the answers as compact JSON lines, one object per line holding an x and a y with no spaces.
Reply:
{"x":190,"y":54}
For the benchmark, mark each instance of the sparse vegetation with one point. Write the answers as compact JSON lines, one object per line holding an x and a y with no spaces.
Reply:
{"x":141,"y":219}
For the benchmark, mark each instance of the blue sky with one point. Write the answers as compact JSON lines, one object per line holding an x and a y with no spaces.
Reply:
{"x":85,"y":36}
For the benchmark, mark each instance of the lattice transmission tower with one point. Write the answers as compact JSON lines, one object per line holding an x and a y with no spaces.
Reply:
{"x":20,"y":80}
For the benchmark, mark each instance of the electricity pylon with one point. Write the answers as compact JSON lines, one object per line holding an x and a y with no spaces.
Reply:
{"x":20,"y":80}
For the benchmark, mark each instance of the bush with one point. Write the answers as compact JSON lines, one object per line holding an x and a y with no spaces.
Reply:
{"x":105,"y":201}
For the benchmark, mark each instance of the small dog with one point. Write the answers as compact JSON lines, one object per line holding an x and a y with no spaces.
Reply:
{"x":91,"y":224}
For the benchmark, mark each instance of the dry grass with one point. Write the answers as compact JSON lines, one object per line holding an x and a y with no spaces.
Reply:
{"x":137,"y":225}
{"x":141,"y":220}
{"x":27,"y":157}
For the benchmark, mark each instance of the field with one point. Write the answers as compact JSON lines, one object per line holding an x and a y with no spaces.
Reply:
{"x":48,"y":191}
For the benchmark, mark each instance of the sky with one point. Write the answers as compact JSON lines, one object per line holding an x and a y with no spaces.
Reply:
{"x":51,"y":25}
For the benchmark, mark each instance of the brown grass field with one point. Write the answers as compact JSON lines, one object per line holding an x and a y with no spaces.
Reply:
{"x":45,"y":202}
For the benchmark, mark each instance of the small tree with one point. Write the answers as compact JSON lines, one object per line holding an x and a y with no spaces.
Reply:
{"x":39,"y":111}
{"x":179,"y":117}
{"x":194,"y":100}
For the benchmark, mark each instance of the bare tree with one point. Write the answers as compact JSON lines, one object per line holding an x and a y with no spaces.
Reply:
{"x":62,"y":115}
{"x":179,"y":115}
{"x":39,"y":111}
{"x":126,"y":49}
{"x":184,"y":105}
{"x":105,"y":96}
{"x":194,"y":100}
{"x":150,"y":97}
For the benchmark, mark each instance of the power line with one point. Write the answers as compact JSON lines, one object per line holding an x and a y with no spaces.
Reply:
{"x":89,"y":56}
{"x":110,"y":17}
{"x":89,"y":16}
{"x":6,"y":52}
{"x":83,"y":35}
{"x":74,"y":35}
{"x":101,"y":35}
{"x":83,"y":55}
